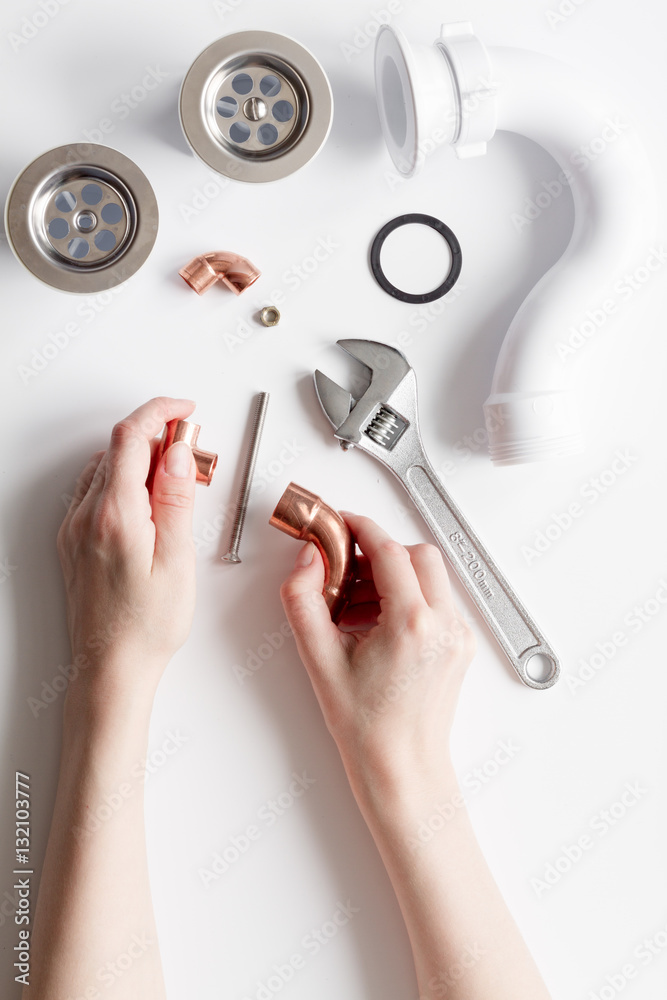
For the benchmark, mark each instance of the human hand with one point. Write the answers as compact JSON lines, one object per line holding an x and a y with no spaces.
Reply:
{"x":388,"y":677}
{"x":128,"y":558}
{"x":388,"y":689}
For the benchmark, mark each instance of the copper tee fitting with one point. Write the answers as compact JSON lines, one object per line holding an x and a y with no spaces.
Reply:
{"x":235,"y":272}
{"x":303,"y":515}
{"x":182,"y":430}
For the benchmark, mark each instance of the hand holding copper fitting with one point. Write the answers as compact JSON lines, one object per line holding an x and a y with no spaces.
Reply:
{"x":182,"y":430}
{"x":304,"y":515}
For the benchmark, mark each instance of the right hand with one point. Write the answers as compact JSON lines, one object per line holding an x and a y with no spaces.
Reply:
{"x":389,"y":677}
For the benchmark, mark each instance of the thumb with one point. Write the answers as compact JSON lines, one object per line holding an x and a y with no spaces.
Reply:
{"x":317,"y":638}
{"x":173,"y":500}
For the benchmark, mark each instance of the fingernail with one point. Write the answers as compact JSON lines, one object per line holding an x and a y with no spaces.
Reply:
{"x":178,"y":460}
{"x":305,"y":556}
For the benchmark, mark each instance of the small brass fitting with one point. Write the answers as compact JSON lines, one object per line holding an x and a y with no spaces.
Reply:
{"x":270,"y":316}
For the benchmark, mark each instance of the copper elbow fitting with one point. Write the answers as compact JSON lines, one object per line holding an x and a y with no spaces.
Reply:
{"x":303,"y":515}
{"x":182,"y":430}
{"x":235,"y":272}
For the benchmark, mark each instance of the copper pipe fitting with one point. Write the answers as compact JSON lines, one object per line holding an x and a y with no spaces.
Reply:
{"x":303,"y":515}
{"x":182,"y":430}
{"x":234,"y":271}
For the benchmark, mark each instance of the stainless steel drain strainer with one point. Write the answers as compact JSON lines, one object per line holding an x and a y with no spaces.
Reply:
{"x":256,"y":106}
{"x":82,"y":218}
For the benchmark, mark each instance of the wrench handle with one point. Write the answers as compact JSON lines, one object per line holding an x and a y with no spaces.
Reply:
{"x":503,"y":612}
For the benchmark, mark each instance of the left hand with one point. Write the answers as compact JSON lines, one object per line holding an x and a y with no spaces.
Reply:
{"x":128,"y":558}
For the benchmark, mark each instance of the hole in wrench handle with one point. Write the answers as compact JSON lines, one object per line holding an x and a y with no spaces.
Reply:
{"x":540,"y":668}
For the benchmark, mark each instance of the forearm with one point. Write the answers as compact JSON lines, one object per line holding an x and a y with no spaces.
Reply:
{"x":94,"y":933}
{"x":465,"y":943}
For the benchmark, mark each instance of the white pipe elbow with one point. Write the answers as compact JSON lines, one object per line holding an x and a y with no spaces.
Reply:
{"x":531,"y":412}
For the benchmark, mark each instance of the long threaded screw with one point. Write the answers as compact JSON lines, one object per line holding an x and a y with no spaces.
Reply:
{"x":246,"y":483}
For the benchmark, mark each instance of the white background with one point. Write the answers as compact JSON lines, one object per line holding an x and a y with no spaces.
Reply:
{"x":578,"y":746}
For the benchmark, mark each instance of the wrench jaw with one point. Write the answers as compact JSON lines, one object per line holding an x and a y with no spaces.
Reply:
{"x":334,"y":400}
{"x":381,"y":359}
{"x":370,"y":423}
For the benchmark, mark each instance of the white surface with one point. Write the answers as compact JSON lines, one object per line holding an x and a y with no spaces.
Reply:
{"x":577,"y":750}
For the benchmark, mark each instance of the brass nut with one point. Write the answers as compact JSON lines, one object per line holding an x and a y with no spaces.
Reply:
{"x":270,"y":316}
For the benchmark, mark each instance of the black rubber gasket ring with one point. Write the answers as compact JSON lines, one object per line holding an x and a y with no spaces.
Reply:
{"x":449,"y":238}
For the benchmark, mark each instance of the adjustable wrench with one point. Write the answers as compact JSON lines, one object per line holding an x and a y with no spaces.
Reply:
{"x":384,"y":422}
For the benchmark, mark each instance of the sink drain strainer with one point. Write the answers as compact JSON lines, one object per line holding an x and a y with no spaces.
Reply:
{"x":82,"y":218}
{"x":256,"y":106}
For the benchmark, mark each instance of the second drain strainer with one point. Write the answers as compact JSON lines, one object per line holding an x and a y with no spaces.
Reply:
{"x":256,"y":106}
